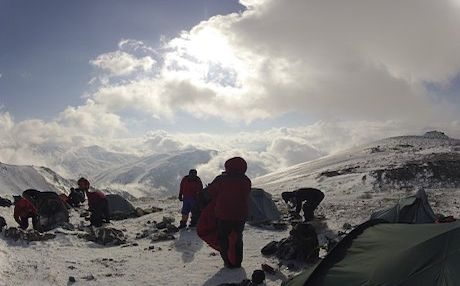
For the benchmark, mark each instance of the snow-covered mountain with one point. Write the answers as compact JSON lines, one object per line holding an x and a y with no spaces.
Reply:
{"x":370,"y":176}
{"x":91,"y":160}
{"x":155,"y":174}
{"x":15,"y":179}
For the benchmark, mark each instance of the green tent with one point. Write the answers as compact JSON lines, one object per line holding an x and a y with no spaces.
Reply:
{"x":384,"y":254}
{"x":413,"y":209}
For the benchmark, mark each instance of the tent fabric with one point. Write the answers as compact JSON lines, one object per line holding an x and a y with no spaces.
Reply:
{"x":119,"y":207}
{"x":413,"y":209}
{"x":261,"y":207}
{"x":52,"y":211}
{"x":377,"y":253}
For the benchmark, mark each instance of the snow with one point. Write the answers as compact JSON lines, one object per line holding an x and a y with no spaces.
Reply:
{"x":352,"y":194}
{"x":185,"y":261}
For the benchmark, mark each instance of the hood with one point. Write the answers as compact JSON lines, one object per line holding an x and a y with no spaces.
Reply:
{"x":236,"y":165}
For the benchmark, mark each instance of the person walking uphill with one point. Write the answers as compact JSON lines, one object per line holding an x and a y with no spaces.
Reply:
{"x":97,"y":203}
{"x":231,"y":194}
{"x":190,"y":187}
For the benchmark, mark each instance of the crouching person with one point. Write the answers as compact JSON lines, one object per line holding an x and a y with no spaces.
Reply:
{"x":23,"y":210}
{"x":310,"y":197}
{"x":231,"y":191}
{"x":97,"y":203}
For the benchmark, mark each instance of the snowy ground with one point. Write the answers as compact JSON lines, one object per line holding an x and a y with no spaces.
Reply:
{"x":184,"y":261}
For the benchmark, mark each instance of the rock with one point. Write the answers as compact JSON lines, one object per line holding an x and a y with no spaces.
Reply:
{"x":89,"y":277}
{"x":29,"y":235}
{"x":68,"y":226}
{"x":2,"y":223}
{"x":269,"y":269}
{"x":168,"y":219}
{"x":72,"y":279}
{"x":151,"y":247}
{"x":140,"y":212}
{"x":162,"y":236}
{"x":171,"y":228}
{"x":347,"y":226}
{"x":161,"y":225}
{"x":258,"y":277}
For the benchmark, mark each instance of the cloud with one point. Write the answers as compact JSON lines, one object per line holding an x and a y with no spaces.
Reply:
{"x":359,"y":69}
{"x":120,"y":63}
{"x":358,"y":60}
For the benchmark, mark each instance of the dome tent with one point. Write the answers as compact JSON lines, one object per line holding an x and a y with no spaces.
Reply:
{"x":380,"y":253}
{"x":413,"y":209}
{"x":261,"y":207}
{"x":119,"y":207}
{"x":52,"y":211}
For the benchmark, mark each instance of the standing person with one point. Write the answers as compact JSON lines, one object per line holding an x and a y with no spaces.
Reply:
{"x":312,"y":198}
{"x":231,"y":192}
{"x":97,"y":203}
{"x":190,"y":187}
{"x":23,"y":210}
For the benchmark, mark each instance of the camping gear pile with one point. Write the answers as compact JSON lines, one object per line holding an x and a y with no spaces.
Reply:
{"x":301,"y":245}
{"x":16,"y":234}
{"x":159,"y":231}
{"x":104,"y":236}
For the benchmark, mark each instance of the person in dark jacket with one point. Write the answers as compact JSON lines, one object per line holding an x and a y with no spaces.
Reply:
{"x":231,"y":191}
{"x":190,"y":187}
{"x":23,"y":210}
{"x":76,"y":197}
{"x":310,"y":197}
{"x":97,"y":203}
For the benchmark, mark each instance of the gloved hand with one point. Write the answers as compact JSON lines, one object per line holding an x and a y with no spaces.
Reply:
{"x":180,"y":197}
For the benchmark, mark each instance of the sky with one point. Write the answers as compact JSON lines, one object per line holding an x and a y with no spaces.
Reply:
{"x":279,"y":82}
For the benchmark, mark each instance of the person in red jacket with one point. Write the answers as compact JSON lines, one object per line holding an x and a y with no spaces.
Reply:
{"x":97,"y":203}
{"x":190,"y":187}
{"x":231,"y":191}
{"x":23,"y":210}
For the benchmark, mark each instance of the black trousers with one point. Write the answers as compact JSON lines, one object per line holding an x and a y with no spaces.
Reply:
{"x":25,"y":222}
{"x":99,"y":212}
{"x":224,"y":228}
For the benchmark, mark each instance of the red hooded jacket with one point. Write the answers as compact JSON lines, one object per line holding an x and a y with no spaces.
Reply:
{"x":24,"y":209}
{"x":190,"y":187}
{"x":231,"y":191}
{"x":94,"y":198}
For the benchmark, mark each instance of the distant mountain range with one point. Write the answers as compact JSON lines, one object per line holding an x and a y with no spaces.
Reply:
{"x":407,"y":162}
